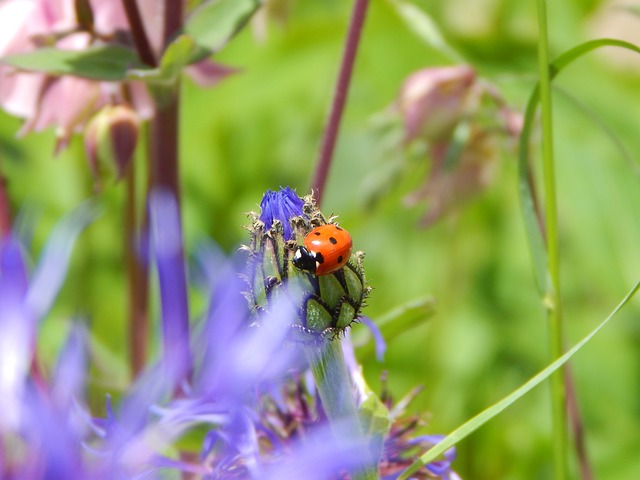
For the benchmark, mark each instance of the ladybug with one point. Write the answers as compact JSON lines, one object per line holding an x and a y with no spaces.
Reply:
{"x":327,"y":248}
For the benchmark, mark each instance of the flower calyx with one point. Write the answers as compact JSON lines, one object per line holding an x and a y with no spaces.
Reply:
{"x":324,"y":304}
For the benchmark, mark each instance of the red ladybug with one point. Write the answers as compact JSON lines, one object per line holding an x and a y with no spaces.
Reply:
{"x":327,"y":248}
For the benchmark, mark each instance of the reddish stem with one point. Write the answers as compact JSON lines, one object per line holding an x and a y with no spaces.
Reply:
{"x":577,"y":426}
{"x":137,"y":274}
{"x":137,"y":31}
{"x":5,"y":209}
{"x":340,"y":95}
{"x":164,"y":127}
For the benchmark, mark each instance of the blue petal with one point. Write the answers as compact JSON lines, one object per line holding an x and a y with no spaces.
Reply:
{"x":282,"y":205}
{"x":378,"y":339}
{"x":16,"y":331}
{"x":52,"y":267}
{"x":69,"y":377}
{"x":166,"y":240}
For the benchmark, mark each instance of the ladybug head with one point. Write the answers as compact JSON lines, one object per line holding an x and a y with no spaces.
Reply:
{"x":305,"y":260}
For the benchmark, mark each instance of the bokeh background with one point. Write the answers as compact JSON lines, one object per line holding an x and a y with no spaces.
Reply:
{"x":261,"y":128}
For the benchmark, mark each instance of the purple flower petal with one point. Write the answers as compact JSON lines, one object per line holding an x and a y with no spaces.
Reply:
{"x":166,"y":240}
{"x":323,"y":453}
{"x":380,"y":344}
{"x":16,"y":332}
{"x":69,"y":377}
{"x":54,"y":262}
{"x":282,"y":205}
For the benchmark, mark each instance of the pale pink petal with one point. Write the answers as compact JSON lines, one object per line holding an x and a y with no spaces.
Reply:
{"x":53,"y":16}
{"x":141,"y":100}
{"x":20,"y":92}
{"x":152,"y":13}
{"x":75,"y":41}
{"x":108,"y":17}
{"x":66,"y":103}
{"x":433,"y":100}
{"x":207,"y":73}
{"x":14,"y":15}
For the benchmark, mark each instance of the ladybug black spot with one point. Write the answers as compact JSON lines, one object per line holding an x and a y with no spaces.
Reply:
{"x":319,"y":258}
{"x":317,"y":233}
{"x":333,"y":240}
{"x":340,"y":259}
{"x":338,"y":228}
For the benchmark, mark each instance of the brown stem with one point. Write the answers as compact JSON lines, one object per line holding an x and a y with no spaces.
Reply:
{"x":137,"y":31}
{"x":577,"y":426}
{"x":5,"y":208}
{"x":164,"y":127}
{"x":172,"y":20}
{"x":164,"y":147}
{"x":137,"y":274}
{"x":340,"y":95}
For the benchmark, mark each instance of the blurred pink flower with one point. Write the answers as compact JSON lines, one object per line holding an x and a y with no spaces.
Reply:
{"x":463,"y":120}
{"x":67,"y":103}
{"x":433,"y":100}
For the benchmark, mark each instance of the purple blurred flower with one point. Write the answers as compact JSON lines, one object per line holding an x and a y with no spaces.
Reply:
{"x":24,"y":300}
{"x":232,"y":372}
{"x":281,"y":206}
{"x":40,"y":429}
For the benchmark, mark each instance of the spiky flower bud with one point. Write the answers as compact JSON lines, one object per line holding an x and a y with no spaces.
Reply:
{"x":326,"y":304}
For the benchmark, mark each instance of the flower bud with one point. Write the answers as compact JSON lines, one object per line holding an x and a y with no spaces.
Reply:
{"x":326,"y":304}
{"x":111,"y":138}
{"x":433,"y":100}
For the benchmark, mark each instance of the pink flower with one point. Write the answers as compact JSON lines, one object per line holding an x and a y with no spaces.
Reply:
{"x":67,"y":103}
{"x":433,"y":100}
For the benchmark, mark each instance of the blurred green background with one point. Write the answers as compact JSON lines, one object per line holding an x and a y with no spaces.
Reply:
{"x":261,"y":128}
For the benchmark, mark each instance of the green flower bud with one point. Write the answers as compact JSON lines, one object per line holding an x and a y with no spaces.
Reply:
{"x":110,"y":139}
{"x":325,"y":304}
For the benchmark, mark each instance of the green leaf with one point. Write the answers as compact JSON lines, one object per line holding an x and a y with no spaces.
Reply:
{"x":525,"y":176}
{"x":483,"y":417}
{"x":396,"y":322}
{"x":375,"y":420}
{"x":606,"y":129}
{"x":425,"y":28}
{"x":104,"y":62}
{"x":214,"y":23}
{"x":178,"y":55}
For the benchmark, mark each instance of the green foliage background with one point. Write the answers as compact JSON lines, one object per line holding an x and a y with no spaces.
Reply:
{"x":261,"y":128}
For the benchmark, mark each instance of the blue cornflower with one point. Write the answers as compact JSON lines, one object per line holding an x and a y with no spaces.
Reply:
{"x":282,"y":206}
{"x":332,"y":299}
{"x":40,"y":417}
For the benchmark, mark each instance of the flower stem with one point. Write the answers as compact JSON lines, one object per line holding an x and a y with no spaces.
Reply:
{"x":164,"y":146}
{"x":138,"y":279}
{"x":5,"y":208}
{"x":553,"y":297}
{"x":340,"y":95}
{"x":137,"y":31}
{"x":336,"y":394}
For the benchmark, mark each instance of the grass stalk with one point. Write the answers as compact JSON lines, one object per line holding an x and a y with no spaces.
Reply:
{"x":552,"y":297}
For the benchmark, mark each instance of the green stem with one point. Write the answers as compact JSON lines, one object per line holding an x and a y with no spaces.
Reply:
{"x":553,"y":298}
{"x":336,"y":394}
